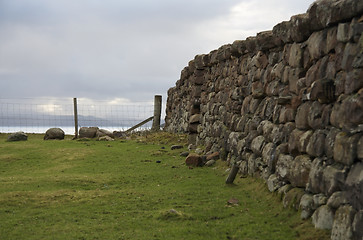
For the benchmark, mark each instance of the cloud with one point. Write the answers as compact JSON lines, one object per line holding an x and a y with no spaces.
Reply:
{"x":119,"y":49}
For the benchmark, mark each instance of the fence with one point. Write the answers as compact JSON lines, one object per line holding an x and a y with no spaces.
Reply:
{"x":37,"y":115}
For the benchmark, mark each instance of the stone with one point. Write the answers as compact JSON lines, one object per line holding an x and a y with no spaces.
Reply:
{"x":174,"y":147}
{"x":196,"y":118}
{"x":336,"y":199}
{"x":194,"y":160}
{"x":319,"y":200}
{"x":18,"y":136}
{"x":317,"y":44}
{"x":323,"y":90}
{"x":302,"y":114}
{"x":354,"y":185}
{"x":294,"y":140}
{"x":345,"y":148}
{"x":323,"y":217}
{"x":210,"y":163}
{"x":343,"y":32}
{"x":54,"y":133}
{"x":304,"y":141}
{"x":104,"y":132}
{"x":87,"y":132}
{"x":357,"y":225}
{"x":353,"y":81}
{"x":292,"y":198}
{"x":315,"y":147}
{"x":298,"y":172}
{"x":360,"y":149}
{"x":184,"y":154}
{"x":315,"y":176}
{"x":350,"y":52}
{"x":342,"y":226}
{"x":283,"y":166}
{"x":296,"y":55}
{"x":333,"y":179}
{"x":213,"y":156}
{"x":257,"y":145}
{"x":329,"y":142}
{"x":269,"y":156}
{"x":106,"y":138}
{"x":306,"y":206}
{"x":273,"y":183}
{"x":282,"y":191}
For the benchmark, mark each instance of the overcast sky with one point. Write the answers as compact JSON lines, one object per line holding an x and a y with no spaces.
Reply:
{"x":117,"y":49}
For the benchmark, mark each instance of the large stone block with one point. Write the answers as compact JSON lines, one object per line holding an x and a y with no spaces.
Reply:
{"x":302,"y":114}
{"x":315,"y":176}
{"x":317,"y":44}
{"x":54,"y":133}
{"x":294,"y":140}
{"x":283,"y":166}
{"x":304,"y":141}
{"x":296,"y":55}
{"x":323,"y":217}
{"x":357,"y":225}
{"x":354,"y":185}
{"x":345,"y":148}
{"x":342,"y":226}
{"x":316,"y":144}
{"x":298,"y":172}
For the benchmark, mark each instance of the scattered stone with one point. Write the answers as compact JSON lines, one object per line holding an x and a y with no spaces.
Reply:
{"x":199,"y":151}
{"x":18,"y":136}
{"x":103,"y":132}
{"x":323,"y":217}
{"x":174,"y":147}
{"x":233,"y":202}
{"x":88,"y":132}
{"x":210,"y":163}
{"x":194,"y":160}
{"x":213,"y":156}
{"x":184,"y":154}
{"x":106,"y":138}
{"x":54,"y":133}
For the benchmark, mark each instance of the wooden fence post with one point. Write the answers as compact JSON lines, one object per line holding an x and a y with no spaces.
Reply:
{"x":157,"y":113}
{"x":75,"y":118}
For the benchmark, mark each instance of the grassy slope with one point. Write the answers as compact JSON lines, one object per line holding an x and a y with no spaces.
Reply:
{"x":116,"y":190}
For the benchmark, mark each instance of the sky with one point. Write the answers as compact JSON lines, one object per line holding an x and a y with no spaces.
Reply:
{"x":117,"y":50}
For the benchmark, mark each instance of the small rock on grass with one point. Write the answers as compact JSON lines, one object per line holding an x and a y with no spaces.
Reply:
{"x":184,"y":154}
{"x":18,"y":136}
{"x":210,"y":163}
{"x":174,"y":147}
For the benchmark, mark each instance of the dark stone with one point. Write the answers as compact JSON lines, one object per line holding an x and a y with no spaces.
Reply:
{"x":54,"y":133}
{"x":194,"y":160}
{"x":18,"y":136}
{"x":88,"y":132}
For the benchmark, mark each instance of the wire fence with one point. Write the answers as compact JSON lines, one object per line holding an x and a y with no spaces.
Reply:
{"x":32,"y":115}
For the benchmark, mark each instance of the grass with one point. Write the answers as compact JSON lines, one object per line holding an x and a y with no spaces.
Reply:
{"x":117,"y":190}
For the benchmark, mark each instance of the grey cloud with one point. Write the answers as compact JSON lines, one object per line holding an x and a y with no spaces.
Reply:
{"x":111,"y":48}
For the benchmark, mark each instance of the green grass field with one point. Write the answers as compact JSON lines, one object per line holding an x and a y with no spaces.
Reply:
{"x":117,"y":190}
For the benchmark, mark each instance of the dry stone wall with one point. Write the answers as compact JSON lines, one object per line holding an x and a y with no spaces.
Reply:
{"x":287,"y":105}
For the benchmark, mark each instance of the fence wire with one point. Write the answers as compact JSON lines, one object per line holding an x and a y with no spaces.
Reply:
{"x":37,"y":115}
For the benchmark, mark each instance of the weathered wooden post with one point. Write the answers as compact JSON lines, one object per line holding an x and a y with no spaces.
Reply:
{"x":157,"y":113}
{"x":75,"y":118}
